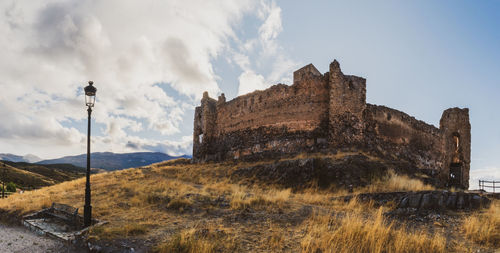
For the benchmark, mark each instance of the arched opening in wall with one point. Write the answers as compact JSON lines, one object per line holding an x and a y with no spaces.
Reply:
{"x":456,"y":142}
{"x":200,"y":138}
{"x":456,"y":175}
{"x":198,"y":129}
{"x":456,"y":162}
{"x":350,"y":85}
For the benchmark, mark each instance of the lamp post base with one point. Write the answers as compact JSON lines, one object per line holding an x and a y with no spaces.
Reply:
{"x":87,"y":216}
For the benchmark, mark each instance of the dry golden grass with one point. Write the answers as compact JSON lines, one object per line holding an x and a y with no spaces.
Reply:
{"x":484,"y":227}
{"x":155,"y":201}
{"x":276,"y":240}
{"x":243,"y":198}
{"x":30,"y":201}
{"x":206,"y":240}
{"x":391,"y":182}
{"x":179,"y":204}
{"x":110,"y":232}
{"x":364,"y":230}
{"x":395,"y":182}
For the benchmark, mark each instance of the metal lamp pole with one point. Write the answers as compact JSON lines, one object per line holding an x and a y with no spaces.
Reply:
{"x":90,"y":92}
{"x":3,"y":181}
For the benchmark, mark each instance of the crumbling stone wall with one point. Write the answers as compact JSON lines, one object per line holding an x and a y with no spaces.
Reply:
{"x":392,"y":133}
{"x":322,"y":112}
{"x":299,"y":107}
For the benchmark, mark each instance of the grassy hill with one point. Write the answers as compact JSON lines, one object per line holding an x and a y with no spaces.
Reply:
{"x":33,"y":176}
{"x":177,"y":206}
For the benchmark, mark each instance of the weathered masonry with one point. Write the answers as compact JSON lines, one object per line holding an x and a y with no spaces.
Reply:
{"x":322,"y":112}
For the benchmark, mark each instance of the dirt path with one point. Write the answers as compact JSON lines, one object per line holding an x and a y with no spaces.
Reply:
{"x":19,"y":239}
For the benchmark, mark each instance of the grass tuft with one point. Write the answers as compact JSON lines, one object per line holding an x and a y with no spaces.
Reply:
{"x":179,"y":204}
{"x":483,"y":227}
{"x":358,"y":232}
{"x":199,"y":241}
{"x":125,"y":231}
{"x":241,"y":198}
{"x":393,"y":181}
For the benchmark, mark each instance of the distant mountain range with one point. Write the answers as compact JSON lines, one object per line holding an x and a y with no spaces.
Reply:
{"x":113,"y":161}
{"x":16,"y":158}
{"x":29,"y":175}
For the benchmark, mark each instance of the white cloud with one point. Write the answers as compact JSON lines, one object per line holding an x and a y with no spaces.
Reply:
{"x":270,"y":56}
{"x":272,"y":26}
{"x":175,"y":148}
{"x":51,"y":48}
{"x":249,"y":81}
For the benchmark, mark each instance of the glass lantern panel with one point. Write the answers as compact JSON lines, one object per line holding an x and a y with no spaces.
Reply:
{"x":90,"y":100}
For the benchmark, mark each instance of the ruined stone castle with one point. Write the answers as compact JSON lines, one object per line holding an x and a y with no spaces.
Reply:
{"x":322,"y":112}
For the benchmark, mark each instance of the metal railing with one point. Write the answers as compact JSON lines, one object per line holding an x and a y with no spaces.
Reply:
{"x":489,"y":184}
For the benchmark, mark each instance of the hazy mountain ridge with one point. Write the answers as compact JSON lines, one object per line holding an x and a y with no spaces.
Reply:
{"x":114,"y":161}
{"x":29,"y":158}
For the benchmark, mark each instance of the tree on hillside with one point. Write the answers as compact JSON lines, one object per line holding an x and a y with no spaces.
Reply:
{"x":11,"y":187}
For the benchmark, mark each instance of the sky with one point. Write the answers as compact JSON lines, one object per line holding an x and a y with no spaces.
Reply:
{"x":151,"y":61}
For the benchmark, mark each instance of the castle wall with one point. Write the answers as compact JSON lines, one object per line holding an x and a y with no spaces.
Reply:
{"x":396,"y":134}
{"x":326,"y":112}
{"x":281,"y":119}
{"x":300,"y":107}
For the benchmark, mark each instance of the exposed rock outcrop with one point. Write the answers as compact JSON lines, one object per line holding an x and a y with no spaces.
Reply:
{"x":427,"y":200}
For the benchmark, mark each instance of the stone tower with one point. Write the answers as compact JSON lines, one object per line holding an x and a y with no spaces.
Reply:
{"x":204,"y":127}
{"x":347,"y":103}
{"x":455,"y":127}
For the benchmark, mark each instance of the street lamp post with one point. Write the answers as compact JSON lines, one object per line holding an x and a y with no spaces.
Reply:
{"x":90,"y":91}
{"x":3,"y":181}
